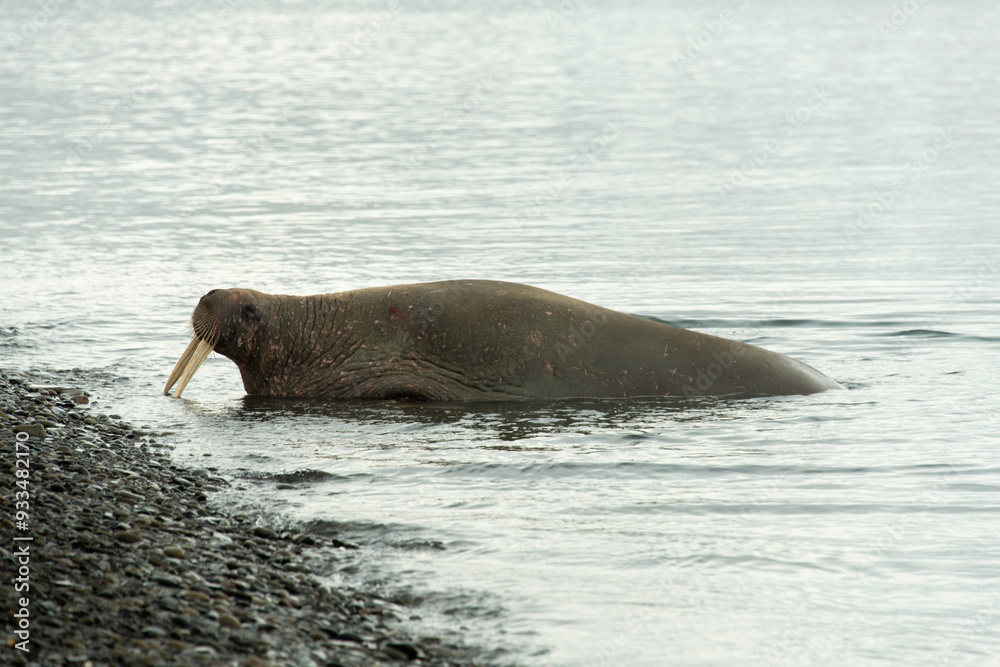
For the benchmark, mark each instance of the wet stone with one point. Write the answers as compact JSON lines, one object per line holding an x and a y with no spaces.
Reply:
{"x":408,"y":651}
{"x":265,"y":532}
{"x":129,"y":497}
{"x":168,"y":580}
{"x":229,"y":621}
{"x":127,"y":537}
{"x":394,"y":653}
{"x":33,"y":430}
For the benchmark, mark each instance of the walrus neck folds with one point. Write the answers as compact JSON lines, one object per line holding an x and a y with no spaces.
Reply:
{"x":294,"y":351}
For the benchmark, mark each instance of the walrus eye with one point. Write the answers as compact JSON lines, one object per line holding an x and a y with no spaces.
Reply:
{"x":251,"y":313}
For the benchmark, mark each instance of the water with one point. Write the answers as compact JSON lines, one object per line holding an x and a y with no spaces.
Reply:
{"x":818,"y":180}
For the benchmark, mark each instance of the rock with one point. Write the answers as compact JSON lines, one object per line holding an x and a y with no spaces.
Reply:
{"x":127,"y":537}
{"x":129,"y":497}
{"x":80,"y":400}
{"x":229,"y":621}
{"x":168,"y":580}
{"x":394,"y":654}
{"x":265,"y":532}
{"x":75,"y":645}
{"x":174,"y":552}
{"x":34,"y":430}
{"x":408,"y":651}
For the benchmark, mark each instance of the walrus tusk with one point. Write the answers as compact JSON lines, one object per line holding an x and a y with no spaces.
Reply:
{"x":181,"y":363}
{"x":189,"y":363}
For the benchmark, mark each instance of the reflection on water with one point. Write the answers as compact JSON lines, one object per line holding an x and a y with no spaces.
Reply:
{"x":510,"y":421}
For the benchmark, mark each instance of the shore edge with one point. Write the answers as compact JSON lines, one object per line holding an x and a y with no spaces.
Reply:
{"x":118,"y":557}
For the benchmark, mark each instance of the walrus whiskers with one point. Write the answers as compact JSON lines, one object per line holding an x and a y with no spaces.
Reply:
{"x":189,"y":363}
{"x":205,"y":325}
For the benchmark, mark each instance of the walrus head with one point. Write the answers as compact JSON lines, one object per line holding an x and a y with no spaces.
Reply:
{"x":230,"y":322}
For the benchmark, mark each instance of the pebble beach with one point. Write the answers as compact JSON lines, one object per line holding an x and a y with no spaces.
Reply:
{"x":115,"y":555}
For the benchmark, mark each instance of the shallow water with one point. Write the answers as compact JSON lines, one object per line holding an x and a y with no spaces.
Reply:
{"x":149,"y":155}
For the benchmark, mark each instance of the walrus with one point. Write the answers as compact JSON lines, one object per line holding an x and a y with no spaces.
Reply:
{"x":471,"y":340}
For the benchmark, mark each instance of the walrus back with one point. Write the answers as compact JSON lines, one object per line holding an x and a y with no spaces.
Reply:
{"x":486,"y":340}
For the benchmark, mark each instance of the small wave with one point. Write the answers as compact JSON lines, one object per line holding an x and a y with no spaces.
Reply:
{"x":745,"y":511}
{"x":923,"y":333}
{"x":772,"y":323}
{"x":301,"y":476}
{"x":566,"y":469}
{"x":352,"y":533}
{"x":934,"y":333}
{"x":11,"y":337}
{"x":744,"y":561}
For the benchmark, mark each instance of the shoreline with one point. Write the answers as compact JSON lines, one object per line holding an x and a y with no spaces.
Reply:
{"x":120,"y":557}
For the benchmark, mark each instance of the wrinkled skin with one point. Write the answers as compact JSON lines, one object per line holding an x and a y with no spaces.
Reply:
{"x":471,"y":340}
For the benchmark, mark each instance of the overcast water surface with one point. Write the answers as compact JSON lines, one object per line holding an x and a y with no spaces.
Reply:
{"x":819,"y":179}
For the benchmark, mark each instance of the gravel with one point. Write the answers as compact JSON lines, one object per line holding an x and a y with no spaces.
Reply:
{"x":128,"y":562}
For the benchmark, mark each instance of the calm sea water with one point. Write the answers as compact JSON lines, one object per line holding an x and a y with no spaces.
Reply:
{"x":818,"y":180}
